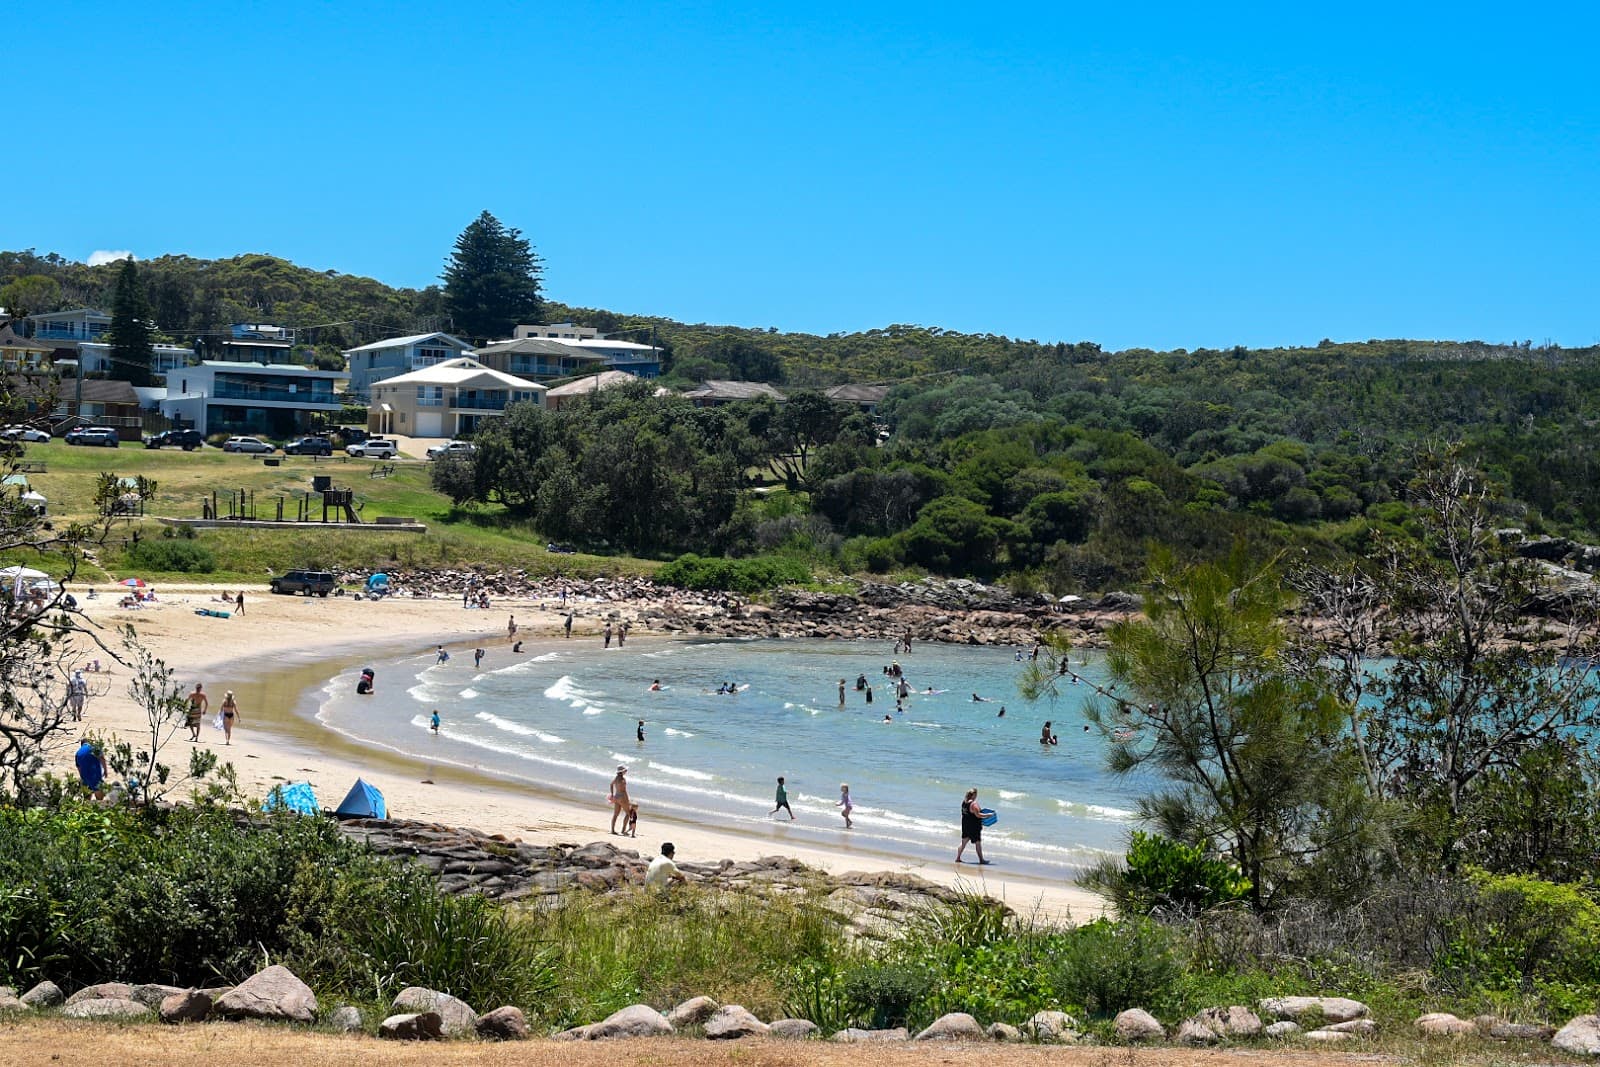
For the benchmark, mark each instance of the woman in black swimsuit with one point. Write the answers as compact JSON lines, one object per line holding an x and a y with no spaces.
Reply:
{"x":971,"y":826}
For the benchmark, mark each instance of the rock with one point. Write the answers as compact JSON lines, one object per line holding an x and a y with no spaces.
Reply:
{"x":1232,"y":1021}
{"x":1581,"y":1036}
{"x":274,"y":993}
{"x":1333,"y":1009}
{"x":456,"y":1016}
{"x":637,"y":1020}
{"x":412,"y":1026}
{"x":793,"y":1030}
{"x":1443,"y":1024}
{"x":1505,"y":1031}
{"x":732,"y":1021}
{"x":1136,"y":1024}
{"x":103,"y":991}
{"x":1194,"y":1031}
{"x":346,"y":1019}
{"x":1327,"y":1035}
{"x":1004,"y":1032}
{"x":852,"y":1035}
{"x":1283,"y":1029}
{"x":44,"y":995}
{"x":106,"y":1008}
{"x":692,"y":1012}
{"x":184,"y":1006}
{"x":956,"y":1026}
{"x":12,"y":1002}
{"x":1051,"y":1027}
{"x":151,"y":996}
{"x":574,"y":1033}
{"x":503,"y":1024}
{"x":1363,"y":1027}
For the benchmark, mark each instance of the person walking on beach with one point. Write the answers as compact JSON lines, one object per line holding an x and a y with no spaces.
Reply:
{"x":230,"y":716}
{"x":619,"y":796}
{"x":199,"y":703}
{"x":846,"y":805}
{"x":971,"y":826}
{"x":477,"y":658}
{"x":77,"y":694}
{"x":443,"y":656}
{"x":783,"y":801}
{"x":238,"y":603}
{"x":607,"y":634}
{"x":568,"y":624}
{"x":511,"y":628}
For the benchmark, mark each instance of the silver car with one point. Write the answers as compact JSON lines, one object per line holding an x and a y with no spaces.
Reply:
{"x":246,"y":444}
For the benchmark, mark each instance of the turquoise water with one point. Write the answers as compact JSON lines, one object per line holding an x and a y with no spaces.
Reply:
{"x":564,"y":715}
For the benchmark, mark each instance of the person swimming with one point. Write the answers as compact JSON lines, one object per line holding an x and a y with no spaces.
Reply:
{"x":655,"y":686}
{"x":861,"y":682}
{"x":976,"y":699}
{"x":1046,"y":737}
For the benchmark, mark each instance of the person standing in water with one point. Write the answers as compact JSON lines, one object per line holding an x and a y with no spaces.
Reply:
{"x":433,"y":724}
{"x":640,"y":731}
{"x":607,"y":633}
{"x":841,"y":692}
{"x":782,"y":802}
{"x":971,"y":826}
{"x":477,"y":658}
{"x":869,"y":694}
{"x":1046,"y":737}
{"x":846,"y":805}
{"x":568,"y":624}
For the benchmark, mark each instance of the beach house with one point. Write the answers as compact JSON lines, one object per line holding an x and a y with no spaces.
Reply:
{"x":448,"y":399}
{"x":398,"y":355}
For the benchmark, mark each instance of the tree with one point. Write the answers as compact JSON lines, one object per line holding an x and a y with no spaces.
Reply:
{"x":30,"y":295}
{"x":155,"y":689}
{"x":808,"y":421}
{"x":131,"y":352}
{"x":491,"y":281}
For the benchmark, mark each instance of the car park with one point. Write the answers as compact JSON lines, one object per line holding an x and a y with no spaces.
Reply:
{"x":104,"y":436}
{"x":374,"y":448}
{"x":450,"y":448}
{"x":31,"y":434}
{"x":246,"y":444}
{"x":309,"y":446}
{"x":188,"y":440}
{"x":311,"y":583}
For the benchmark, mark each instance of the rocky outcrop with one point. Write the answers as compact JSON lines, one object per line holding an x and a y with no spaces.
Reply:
{"x":102,"y":991}
{"x":456,"y":1016}
{"x":955,"y":1026}
{"x":1234,"y":1021}
{"x":502,"y":1024}
{"x":637,"y":1020}
{"x":346,"y":1019}
{"x":273,"y":994}
{"x":152,"y":995}
{"x":1051,"y":1027}
{"x":853,"y":1036}
{"x":1004,"y":1032}
{"x":731,"y":1022}
{"x":412,"y":1026}
{"x":1194,"y":1031}
{"x":1282,"y":1029}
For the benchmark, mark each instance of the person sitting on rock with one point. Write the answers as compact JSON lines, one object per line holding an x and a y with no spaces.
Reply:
{"x":663,"y":871}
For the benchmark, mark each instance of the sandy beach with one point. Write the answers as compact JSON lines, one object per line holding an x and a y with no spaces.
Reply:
{"x":280,"y":653}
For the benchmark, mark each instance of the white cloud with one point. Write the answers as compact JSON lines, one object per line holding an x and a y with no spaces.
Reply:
{"x":100,"y":255}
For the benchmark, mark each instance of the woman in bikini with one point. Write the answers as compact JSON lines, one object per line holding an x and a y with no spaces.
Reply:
{"x":230,"y":717}
{"x":619,"y":797}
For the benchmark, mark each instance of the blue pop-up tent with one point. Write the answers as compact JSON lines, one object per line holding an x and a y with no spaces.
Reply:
{"x":296,"y":797}
{"x":363,"y":802}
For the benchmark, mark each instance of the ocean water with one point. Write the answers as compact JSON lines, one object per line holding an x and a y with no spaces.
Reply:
{"x":564,"y":717}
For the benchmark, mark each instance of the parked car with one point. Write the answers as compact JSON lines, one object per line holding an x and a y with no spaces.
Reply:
{"x":188,"y":440}
{"x":309,"y":446}
{"x":450,"y":448}
{"x":246,"y":444}
{"x":374,"y":448}
{"x":318,"y":583}
{"x":103,"y":436}
{"x":25,"y":433}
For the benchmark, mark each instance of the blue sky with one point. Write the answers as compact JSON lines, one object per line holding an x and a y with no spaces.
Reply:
{"x":1141,"y":176}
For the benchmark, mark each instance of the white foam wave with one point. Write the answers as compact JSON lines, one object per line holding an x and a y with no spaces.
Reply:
{"x":468,"y":693}
{"x":1093,"y":811}
{"x":593,"y":710}
{"x":1006,"y":794}
{"x":564,"y":688}
{"x":547,"y":657}
{"x":681,"y":772}
{"x":522,"y":667}
{"x":674,"y":732}
{"x":518,"y":728}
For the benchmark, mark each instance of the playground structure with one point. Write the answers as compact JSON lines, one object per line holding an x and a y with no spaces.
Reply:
{"x":339,"y":507}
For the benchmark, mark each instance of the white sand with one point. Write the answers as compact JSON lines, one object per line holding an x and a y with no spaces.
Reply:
{"x":269,"y":746}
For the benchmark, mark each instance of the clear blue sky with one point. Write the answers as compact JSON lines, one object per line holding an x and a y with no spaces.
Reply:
{"x":1157,"y":176}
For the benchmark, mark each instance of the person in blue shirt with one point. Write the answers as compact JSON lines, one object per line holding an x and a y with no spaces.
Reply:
{"x":91,"y":767}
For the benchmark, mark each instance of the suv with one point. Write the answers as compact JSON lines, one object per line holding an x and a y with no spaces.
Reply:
{"x":104,"y":436}
{"x":320,"y":583}
{"x":309,"y":446}
{"x":245,"y":444}
{"x":374,"y":448}
{"x":188,"y":440}
{"x":24,"y":433}
{"x":450,"y":448}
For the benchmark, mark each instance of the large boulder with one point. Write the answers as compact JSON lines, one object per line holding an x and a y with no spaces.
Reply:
{"x":692,"y":1012}
{"x":732,"y":1021}
{"x":1136,"y":1024}
{"x":1004,"y":1032}
{"x":503,"y":1024}
{"x":151,"y":995}
{"x":1232,"y":1021}
{"x":1443,"y":1024}
{"x":1194,"y":1031}
{"x":636,"y":1020}
{"x":274,"y":993}
{"x":1502,"y":1030}
{"x":793,"y":1029}
{"x":1331,"y":1009}
{"x":1051,"y":1027}
{"x":9,"y":1001}
{"x":102,"y":991}
{"x":1282,"y":1029}
{"x":346,"y":1019}
{"x":955,"y":1026}
{"x":44,"y":995}
{"x":456,"y":1016}
{"x":106,"y":1008}
{"x":184,"y":1006}
{"x":412,"y":1026}
{"x":1581,"y":1036}
{"x":854,"y":1036}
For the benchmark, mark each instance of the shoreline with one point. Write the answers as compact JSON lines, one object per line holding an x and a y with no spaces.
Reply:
{"x":280,"y":656}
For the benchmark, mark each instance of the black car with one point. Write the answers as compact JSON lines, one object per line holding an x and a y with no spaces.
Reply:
{"x":319,"y":583}
{"x":309,"y":446}
{"x":188,"y":440}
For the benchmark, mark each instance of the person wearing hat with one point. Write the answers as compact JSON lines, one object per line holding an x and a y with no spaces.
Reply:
{"x":619,"y":796}
{"x":663,"y":871}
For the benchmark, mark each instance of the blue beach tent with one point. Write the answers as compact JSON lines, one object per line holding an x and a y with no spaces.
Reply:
{"x":363,"y":802}
{"x":296,"y":797}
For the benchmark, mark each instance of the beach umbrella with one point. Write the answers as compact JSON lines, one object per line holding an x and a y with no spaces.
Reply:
{"x":378,"y":579}
{"x":11,"y":574}
{"x":132,"y":583}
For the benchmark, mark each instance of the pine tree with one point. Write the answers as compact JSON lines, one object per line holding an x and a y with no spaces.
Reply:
{"x":131,"y":353}
{"x":491,"y":282}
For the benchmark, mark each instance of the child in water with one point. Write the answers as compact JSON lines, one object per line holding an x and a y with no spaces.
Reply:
{"x":434,"y":723}
{"x":844,"y":802}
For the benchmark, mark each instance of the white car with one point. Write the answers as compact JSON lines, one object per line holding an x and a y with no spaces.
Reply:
{"x":24,"y":433}
{"x":246,"y":444}
{"x":374,"y":448}
{"x":451,"y":448}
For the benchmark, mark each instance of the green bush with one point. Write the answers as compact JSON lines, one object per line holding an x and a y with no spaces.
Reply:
{"x":750,"y":575}
{"x":883,"y":995}
{"x":1521,"y":934}
{"x":1108,"y":966}
{"x":1160,"y":873}
{"x":170,"y":556}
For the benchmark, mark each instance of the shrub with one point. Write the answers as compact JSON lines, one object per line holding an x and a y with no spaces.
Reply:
{"x":171,"y":556}
{"x":1160,"y":873}
{"x":1108,"y":966}
{"x":734,"y":575}
{"x":884,"y":995}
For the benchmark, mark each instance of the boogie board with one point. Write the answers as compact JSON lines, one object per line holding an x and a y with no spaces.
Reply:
{"x":989,"y":818}
{"x":212,"y":613}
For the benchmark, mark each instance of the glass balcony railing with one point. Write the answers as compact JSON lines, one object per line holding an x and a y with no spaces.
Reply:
{"x":480,"y":402}
{"x":272,"y":394}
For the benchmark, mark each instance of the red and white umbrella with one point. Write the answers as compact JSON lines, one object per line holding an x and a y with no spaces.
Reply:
{"x":132,"y":583}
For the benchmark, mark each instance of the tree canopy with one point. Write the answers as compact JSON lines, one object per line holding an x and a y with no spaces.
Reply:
{"x":131,"y":351}
{"x":491,"y":281}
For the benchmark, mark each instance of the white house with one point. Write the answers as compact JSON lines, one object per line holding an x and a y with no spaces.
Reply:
{"x":273,"y":400}
{"x":95,"y":358}
{"x":398,"y":355}
{"x":448,"y":399}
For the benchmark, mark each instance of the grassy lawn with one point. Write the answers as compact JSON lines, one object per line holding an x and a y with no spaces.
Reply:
{"x":185,"y":480}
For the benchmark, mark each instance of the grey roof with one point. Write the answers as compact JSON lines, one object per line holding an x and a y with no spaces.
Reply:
{"x":857,"y":394}
{"x":9,"y":338}
{"x":537,"y":346}
{"x":719,"y":389}
{"x":95,"y":390}
{"x":593,"y":383}
{"x":411,"y":339}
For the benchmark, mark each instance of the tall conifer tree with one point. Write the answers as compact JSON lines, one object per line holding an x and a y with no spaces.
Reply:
{"x":491,"y":281}
{"x":131,"y":352}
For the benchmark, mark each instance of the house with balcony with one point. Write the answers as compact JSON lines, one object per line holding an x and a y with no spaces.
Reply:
{"x":561,"y":350}
{"x":72,"y":327}
{"x":95,"y":358}
{"x":246,"y":342}
{"x":20,"y":354}
{"x":399,"y":355}
{"x":238,"y":397}
{"x":449,"y":399}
